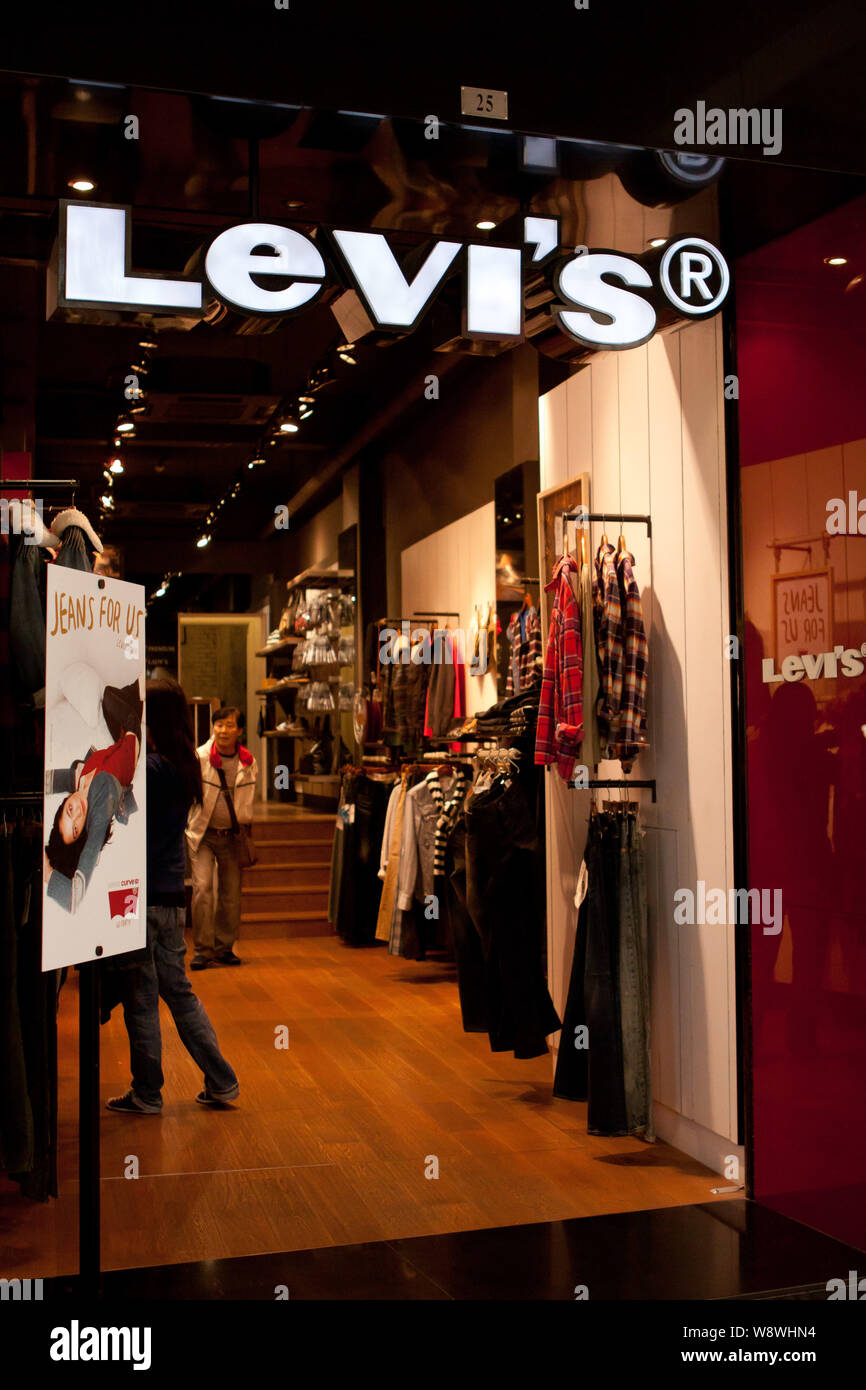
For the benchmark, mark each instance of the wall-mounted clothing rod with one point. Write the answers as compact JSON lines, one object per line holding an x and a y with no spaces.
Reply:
{"x":631,"y":517}
{"x":616,"y":782}
{"x":439,"y":613}
{"x":43,"y":484}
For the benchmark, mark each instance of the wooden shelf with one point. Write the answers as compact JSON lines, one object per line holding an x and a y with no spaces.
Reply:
{"x":308,"y":578}
{"x":278,"y":646}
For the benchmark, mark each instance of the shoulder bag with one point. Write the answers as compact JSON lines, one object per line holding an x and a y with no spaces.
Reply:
{"x":243,"y":839}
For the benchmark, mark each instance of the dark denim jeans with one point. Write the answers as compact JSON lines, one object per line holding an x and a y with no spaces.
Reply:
{"x":164,"y":975}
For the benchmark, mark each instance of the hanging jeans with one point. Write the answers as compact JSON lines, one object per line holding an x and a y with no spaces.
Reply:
{"x":609,"y":988}
{"x":164,"y":976}
{"x":501,"y":861}
{"x":634,"y":980}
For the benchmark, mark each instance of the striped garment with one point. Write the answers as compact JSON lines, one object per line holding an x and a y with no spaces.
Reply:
{"x":628,"y":737}
{"x":608,"y":626}
{"x":448,"y":813}
{"x":560,"y":709}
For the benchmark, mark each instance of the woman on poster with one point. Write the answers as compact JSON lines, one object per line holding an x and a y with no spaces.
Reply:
{"x":99,"y":791}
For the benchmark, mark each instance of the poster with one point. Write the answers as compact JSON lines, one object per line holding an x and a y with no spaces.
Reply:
{"x":95,"y":841}
{"x":802,"y":613}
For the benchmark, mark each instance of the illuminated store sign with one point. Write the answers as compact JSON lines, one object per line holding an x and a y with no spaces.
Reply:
{"x":603,"y":299}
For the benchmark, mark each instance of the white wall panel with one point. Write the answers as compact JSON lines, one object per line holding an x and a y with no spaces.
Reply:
{"x":455,"y":569}
{"x":647,"y":425}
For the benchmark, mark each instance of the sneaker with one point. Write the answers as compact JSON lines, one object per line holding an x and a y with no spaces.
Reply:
{"x":130,"y":1105}
{"x":205,"y":1098}
{"x":227,"y":958}
{"x":199,"y":962}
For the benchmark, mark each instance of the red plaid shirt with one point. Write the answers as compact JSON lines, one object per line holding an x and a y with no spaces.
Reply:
{"x":560,"y":710}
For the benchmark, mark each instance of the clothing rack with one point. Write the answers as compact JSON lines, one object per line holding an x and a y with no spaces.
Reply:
{"x":89,"y":1212}
{"x":633,"y":518}
{"x":622,"y":782}
{"x":440,"y":613}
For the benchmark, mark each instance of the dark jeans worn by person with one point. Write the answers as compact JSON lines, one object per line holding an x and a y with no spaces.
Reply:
{"x":163,"y":976}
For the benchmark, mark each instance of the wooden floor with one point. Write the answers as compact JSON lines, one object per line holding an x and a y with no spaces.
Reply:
{"x":331,"y":1140}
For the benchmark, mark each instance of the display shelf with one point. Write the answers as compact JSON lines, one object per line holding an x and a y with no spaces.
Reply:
{"x":278,"y":646}
{"x":286,"y":733}
{"x":289,"y":684}
{"x":308,"y":578}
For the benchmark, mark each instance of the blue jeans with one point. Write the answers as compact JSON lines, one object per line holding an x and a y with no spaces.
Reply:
{"x":164,"y":975}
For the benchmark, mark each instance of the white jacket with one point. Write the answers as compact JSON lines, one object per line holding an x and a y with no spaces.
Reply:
{"x":244,"y":792}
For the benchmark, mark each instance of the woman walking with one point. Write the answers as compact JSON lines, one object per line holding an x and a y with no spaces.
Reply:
{"x":173,"y":786}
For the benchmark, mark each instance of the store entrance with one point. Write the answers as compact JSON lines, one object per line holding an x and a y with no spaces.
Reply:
{"x":415,"y":950}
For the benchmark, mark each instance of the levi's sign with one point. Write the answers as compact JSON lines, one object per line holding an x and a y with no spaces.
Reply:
{"x":601,"y":298}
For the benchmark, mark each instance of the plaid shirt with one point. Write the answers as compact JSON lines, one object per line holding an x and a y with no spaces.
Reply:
{"x":560,"y":709}
{"x":608,"y":626}
{"x":629,"y":734}
{"x":525,"y":662}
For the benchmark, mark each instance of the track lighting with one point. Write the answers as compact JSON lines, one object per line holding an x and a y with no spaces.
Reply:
{"x":125,"y":425}
{"x":147,"y":345}
{"x":288,"y":427}
{"x":107,"y":501}
{"x":116,"y":465}
{"x":161,"y":591}
{"x":345,"y":354}
{"x":202,"y":542}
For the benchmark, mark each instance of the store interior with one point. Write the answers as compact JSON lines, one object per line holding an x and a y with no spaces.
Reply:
{"x":290,"y":489}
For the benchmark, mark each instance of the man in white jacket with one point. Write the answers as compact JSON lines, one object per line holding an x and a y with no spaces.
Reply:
{"x":216,"y":912}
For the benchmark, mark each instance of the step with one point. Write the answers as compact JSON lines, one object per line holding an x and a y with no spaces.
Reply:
{"x":255,"y":925}
{"x":292,"y":851}
{"x":299,"y":899}
{"x":312,"y":874}
{"x":295,"y":828}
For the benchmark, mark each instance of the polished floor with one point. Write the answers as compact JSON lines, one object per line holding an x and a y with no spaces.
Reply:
{"x":380,"y":1121}
{"x":728,"y":1250}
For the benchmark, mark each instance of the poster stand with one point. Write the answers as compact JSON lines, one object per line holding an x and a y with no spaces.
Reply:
{"x":89,"y":1263}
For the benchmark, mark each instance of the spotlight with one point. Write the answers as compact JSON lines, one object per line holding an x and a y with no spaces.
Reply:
{"x":82,"y":185}
{"x":657,"y":241}
{"x":294,"y":203}
{"x":257,"y":460}
{"x":147,"y":345}
{"x":116,"y":465}
{"x":202,"y":542}
{"x":288,"y":427}
{"x":117,"y":443}
{"x":125,"y":426}
{"x":485,"y":226}
{"x":345,"y":354}
{"x":107,"y":501}
{"x":136,"y":409}
{"x":835,"y":260}
{"x":108,"y":478}
{"x":306,"y":412}
{"x":307,"y":400}
{"x":161,"y":591}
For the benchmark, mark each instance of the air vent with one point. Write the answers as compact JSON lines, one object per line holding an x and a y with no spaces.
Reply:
{"x":164,"y":408}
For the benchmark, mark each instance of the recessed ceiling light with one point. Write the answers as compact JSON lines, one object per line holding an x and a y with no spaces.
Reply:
{"x":835,"y":260}
{"x":485,"y":226}
{"x":657,"y":241}
{"x":82,"y":185}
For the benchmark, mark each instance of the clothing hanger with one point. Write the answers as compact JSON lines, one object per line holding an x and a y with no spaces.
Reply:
{"x":604,"y":540}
